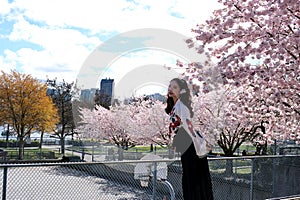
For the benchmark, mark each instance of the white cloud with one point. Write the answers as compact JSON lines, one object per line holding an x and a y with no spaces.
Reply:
{"x":6,"y":66}
{"x":37,"y":63}
{"x":67,"y":31}
{"x":4,"y":7}
{"x":8,"y":61}
{"x":126,"y":63}
{"x":119,"y":15}
{"x":51,"y":38}
{"x":61,"y":50}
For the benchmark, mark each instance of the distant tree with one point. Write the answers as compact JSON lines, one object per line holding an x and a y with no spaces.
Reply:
{"x":140,"y":122}
{"x":151,"y":121}
{"x":62,"y":94}
{"x":102,"y":99}
{"x":25,"y":105}
{"x":103,"y":124}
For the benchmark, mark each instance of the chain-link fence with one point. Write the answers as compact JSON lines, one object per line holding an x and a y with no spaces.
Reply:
{"x":233,"y":178}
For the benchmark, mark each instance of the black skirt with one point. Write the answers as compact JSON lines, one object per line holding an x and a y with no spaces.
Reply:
{"x":196,"y":179}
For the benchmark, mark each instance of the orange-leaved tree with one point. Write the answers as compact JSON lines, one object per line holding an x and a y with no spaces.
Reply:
{"x":25,"y":106}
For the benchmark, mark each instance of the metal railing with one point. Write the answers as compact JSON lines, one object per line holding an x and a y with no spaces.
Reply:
{"x":252,"y":177}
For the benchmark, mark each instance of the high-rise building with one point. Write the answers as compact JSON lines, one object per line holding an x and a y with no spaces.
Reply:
{"x":107,"y":88}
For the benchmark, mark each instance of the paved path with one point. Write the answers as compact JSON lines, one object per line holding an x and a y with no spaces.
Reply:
{"x":58,"y":182}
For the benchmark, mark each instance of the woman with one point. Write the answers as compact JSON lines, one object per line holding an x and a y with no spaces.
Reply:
{"x":196,"y":180}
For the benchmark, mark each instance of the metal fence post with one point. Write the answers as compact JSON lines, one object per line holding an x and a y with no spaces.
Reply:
{"x":4,"y":183}
{"x":154,"y":180}
{"x":251,"y":181}
{"x":93,"y":152}
{"x":273,"y":175}
{"x":235,"y":170}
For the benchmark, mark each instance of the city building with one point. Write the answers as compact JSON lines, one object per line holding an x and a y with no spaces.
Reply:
{"x":107,"y":87}
{"x":105,"y":95}
{"x":87,"y":95}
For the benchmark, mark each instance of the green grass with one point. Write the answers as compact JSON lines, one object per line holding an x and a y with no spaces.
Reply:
{"x":138,"y":148}
{"x":247,"y":148}
{"x":243,"y":170}
{"x":146,"y":148}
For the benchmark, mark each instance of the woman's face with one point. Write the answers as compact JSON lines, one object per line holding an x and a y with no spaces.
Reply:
{"x":173,"y":90}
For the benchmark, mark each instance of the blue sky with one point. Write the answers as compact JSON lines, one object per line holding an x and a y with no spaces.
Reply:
{"x":54,"y":38}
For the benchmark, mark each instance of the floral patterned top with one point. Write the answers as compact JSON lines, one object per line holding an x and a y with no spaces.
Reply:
{"x":182,"y":127}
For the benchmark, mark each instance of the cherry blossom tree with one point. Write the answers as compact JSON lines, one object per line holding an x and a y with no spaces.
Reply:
{"x":140,"y":122}
{"x":220,"y":116}
{"x":101,"y":123}
{"x":104,"y":124}
{"x":254,"y":49}
{"x":151,"y":119}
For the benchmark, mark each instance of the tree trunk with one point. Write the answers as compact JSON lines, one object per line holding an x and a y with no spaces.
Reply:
{"x":151,"y":147}
{"x":229,"y":164}
{"x":41,"y":140}
{"x":21,"y":148}
{"x":229,"y":168}
{"x":62,"y":145}
{"x":7,"y":136}
{"x":40,"y":146}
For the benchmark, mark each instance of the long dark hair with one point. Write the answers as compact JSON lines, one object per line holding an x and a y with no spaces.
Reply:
{"x":185,"y":97}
